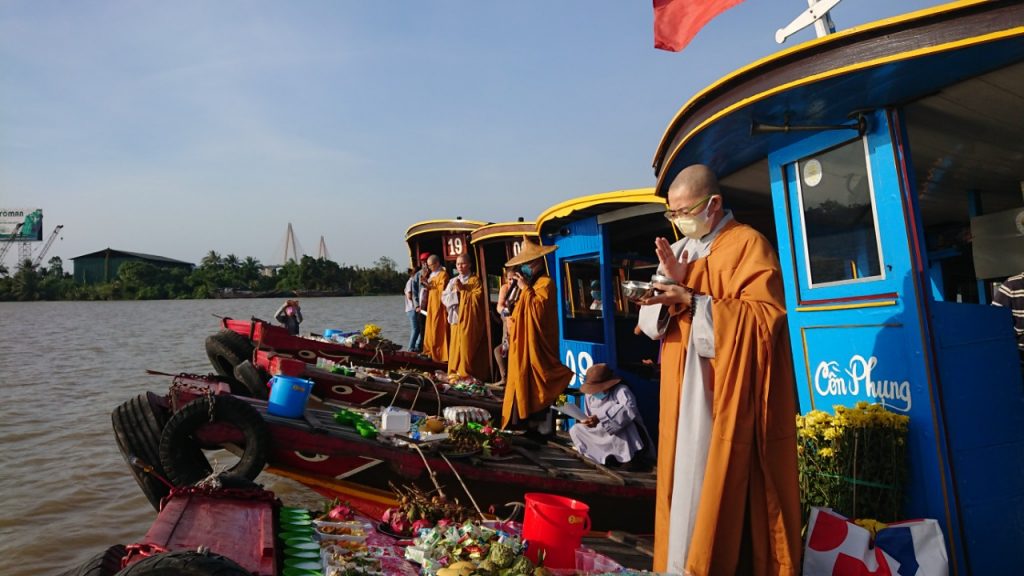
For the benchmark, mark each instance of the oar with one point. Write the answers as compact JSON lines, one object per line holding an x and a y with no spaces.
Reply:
{"x":216,"y":377}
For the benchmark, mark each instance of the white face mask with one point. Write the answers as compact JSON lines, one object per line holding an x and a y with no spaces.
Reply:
{"x":694,"y":226}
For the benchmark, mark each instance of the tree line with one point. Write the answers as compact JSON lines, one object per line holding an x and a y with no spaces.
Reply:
{"x":215,"y":276}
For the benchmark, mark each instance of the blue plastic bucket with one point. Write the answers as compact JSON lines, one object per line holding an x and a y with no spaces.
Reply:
{"x":288,"y":396}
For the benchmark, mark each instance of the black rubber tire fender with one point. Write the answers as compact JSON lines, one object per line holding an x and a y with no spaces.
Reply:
{"x":138,"y":424}
{"x":180,"y":451}
{"x":185,"y":563}
{"x":106,"y":563}
{"x":227,"y":349}
{"x":253,"y":380}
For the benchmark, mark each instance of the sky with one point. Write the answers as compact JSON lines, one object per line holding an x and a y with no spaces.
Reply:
{"x":177,"y":128}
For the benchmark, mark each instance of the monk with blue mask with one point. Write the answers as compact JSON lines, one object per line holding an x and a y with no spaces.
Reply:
{"x":613,"y":433}
{"x":535,"y":375}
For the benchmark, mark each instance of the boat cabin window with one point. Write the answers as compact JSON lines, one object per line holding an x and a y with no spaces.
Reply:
{"x":583,"y":299}
{"x":966,"y":149}
{"x":839,"y":216}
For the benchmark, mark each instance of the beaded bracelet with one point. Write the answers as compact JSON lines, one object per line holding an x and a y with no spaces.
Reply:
{"x":691,"y":309}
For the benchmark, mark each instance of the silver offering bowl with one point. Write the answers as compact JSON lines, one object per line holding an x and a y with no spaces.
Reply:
{"x":662,"y":279}
{"x":635,"y":291}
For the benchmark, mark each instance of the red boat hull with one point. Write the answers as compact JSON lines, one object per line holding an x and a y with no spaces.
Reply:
{"x":336,"y":461}
{"x":347,"y":390}
{"x":269,"y":337}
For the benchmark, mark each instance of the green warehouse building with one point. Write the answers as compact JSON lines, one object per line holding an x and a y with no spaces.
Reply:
{"x":102,"y":266}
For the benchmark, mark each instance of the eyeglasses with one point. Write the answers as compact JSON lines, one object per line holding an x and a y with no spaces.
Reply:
{"x":672,"y":214}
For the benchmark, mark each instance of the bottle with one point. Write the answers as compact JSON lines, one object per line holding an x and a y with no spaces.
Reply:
{"x":511,"y":299}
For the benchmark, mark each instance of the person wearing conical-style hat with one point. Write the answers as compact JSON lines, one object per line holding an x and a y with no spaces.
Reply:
{"x":535,"y":377}
{"x":613,"y":433}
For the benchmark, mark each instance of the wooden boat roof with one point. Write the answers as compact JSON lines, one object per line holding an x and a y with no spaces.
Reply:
{"x":438,"y":226}
{"x":590,"y":205}
{"x":503,"y":230}
{"x":961,"y":61}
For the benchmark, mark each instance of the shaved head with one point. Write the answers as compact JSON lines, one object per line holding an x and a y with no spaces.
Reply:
{"x":695,"y":191}
{"x":695,"y":181}
{"x":433,"y":260}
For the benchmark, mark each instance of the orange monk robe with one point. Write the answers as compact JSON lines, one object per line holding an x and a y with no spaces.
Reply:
{"x":752,"y":452}
{"x":467,"y":353}
{"x":535,"y":378}
{"x":435,"y":329}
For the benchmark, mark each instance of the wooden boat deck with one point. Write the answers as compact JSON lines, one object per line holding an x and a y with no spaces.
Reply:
{"x":334,"y":458}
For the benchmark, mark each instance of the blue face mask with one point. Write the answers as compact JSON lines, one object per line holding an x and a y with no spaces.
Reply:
{"x":595,"y":294}
{"x":600,"y":395}
{"x":526,"y":271}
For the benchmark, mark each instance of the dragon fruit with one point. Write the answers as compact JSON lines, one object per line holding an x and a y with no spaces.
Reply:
{"x":341,"y":513}
{"x":420,"y":525}
{"x":399,"y":524}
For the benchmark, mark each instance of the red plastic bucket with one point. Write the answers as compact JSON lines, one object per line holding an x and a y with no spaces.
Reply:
{"x":555,"y":524}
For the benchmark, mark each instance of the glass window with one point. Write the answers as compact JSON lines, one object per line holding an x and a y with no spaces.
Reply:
{"x":840,"y":226}
{"x":583,"y":300}
{"x":583,"y":288}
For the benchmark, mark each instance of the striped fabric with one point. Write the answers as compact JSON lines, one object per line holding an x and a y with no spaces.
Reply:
{"x":1011,"y":295}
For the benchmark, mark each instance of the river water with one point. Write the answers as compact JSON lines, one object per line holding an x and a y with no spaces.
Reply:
{"x":65,"y":492}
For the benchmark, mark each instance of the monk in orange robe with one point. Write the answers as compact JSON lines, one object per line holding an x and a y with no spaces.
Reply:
{"x":535,"y":377}
{"x":468,"y":354}
{"x":727,"y":494}
{"x":435,"y":329}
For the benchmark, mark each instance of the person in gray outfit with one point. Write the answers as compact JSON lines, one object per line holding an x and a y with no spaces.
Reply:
{"x":613,"y":433}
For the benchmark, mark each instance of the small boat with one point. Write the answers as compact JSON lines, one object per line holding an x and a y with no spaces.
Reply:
{"x":338,"y":460}
{"x":236,"y":528}
{"x":227,"y":531}
{"x":372,"y":386}
{"x":241,"y":293}
{"x":321,"y":293}
{"x":235,"y":343}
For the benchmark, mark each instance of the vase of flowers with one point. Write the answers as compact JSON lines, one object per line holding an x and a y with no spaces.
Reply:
{"x":853,"y":461}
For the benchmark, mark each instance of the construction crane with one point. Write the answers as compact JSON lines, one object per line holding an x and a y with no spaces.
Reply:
{"x":46,"y":247}
{"x":10,"y":242}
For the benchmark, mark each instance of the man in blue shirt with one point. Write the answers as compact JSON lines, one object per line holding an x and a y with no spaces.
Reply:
{"x":413,"y":294}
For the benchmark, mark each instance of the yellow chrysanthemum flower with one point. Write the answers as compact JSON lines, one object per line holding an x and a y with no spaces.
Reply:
{"x":371,"y":331}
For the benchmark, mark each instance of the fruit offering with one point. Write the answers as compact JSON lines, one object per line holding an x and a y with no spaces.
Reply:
{"x":418,"y":510}
{"x":471,"y":549}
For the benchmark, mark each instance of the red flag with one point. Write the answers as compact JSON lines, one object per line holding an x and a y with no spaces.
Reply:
{"x":676,"y":22}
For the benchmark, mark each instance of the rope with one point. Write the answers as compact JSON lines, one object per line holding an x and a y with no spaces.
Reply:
{"x":464,"y":488}
{"x":857,"y":481}
{"x":430,"y":471}
{"x":436,"y":393}
{"x":140,"y":551}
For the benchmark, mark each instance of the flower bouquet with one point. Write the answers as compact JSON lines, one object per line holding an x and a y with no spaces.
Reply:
{"x":853,"y":461}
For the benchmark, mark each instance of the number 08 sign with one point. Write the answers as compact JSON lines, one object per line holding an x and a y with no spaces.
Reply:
{"x":455,"y":245}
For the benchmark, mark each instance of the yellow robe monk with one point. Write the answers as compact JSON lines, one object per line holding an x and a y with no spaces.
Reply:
{"x":750,"y":477}
{"x":535,"y":377}
{"x":435,"y":329}
{"x":468,"y":354}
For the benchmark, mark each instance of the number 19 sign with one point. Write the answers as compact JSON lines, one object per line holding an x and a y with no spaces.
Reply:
{"x":455,"y":245}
